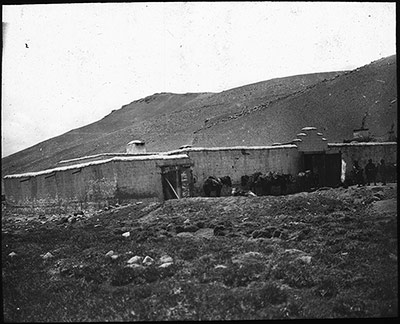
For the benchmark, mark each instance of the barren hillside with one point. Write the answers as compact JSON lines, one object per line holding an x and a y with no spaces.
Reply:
{"x":257,"y":114}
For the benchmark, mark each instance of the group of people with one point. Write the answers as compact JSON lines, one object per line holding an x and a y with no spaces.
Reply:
{"x":371,"y":172}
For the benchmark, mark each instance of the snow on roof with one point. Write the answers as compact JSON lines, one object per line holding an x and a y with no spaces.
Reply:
{"x":82,"y":165}
{"x":308,"y":128}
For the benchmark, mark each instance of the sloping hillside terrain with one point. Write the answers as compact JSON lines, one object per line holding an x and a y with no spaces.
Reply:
{"x":257,"y":114}
{"x":335,"y":106}
{"x":326,"y":254}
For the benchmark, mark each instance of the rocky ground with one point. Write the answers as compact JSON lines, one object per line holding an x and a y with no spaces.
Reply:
{"x":326,"y":254}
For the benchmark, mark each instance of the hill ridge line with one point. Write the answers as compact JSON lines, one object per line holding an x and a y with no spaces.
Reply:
{"x":247,"y":111}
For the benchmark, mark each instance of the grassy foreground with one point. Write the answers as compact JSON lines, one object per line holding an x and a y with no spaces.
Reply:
{"x":326,"y":254}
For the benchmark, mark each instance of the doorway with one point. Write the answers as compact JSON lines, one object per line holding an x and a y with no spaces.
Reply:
{"x":333,"y":165}
{"x":326,"y":166}
{"x":177,"y":182}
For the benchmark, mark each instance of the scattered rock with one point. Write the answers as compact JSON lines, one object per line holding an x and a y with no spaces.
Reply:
{"x":114,"y":256}
{"x":135,"y":265}
{"x":71,"y":219}
{"x":305,"y":259}
{"x":204,"y":233}
{"x":190,"y":228}
{"x":166,"y":259}
{"x":393,"y":257}
{"x":220,"y":266}
{"x":185,"y":234}
{"x":48,"y":255}
{"x":165,"y":265}
{"x":248,"y":257}
{"x":12,"y":254}
{"x":187,"y":221}
{"x":148,"y":261}
{"x":126,"y":234}
{"x":294,"y":252}
{"x":109,"y":253}
{"x":136,"y":259}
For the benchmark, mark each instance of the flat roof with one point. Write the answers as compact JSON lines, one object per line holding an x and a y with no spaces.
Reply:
{"x":82,"y":165}
{"x":232,"y":148}
{"x":106,"y":154}
{"x":362,"y":144}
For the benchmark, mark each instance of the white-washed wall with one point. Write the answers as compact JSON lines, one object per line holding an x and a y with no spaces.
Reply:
{"x":236,"y":162}
{"x":362,"y":152}
{"x":90,"y":185}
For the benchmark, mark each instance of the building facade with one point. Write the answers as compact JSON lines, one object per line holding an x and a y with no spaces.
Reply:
{"x":103,"y":179}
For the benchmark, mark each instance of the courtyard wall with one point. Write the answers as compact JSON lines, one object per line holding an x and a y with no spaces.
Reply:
{"x":111,"y":179}
{"x":238,"y":161}
{"x":91,"y":185}
{"x":362,"y":152}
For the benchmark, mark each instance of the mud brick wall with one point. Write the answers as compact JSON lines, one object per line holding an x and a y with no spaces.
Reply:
{"x":362,"y":152}
{"x":138,"y":180}
{"x":93,"y":185}
{"x":74,"y":187}
{"x":236,"y":162}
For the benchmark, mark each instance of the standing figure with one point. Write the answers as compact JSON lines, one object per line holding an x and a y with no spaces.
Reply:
{"x":358,"y":174}
{"x":370,"y":172}
{"x":383,"y":171}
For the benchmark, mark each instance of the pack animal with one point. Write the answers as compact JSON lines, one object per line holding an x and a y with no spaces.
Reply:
{"x":214,"y":184}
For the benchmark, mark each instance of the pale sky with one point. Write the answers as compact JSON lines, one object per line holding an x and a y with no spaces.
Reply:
{"x":68,"y":65}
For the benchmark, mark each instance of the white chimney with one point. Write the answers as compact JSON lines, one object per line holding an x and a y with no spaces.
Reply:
{"x":135,"y":147}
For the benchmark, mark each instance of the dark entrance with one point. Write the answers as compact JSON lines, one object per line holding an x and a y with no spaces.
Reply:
{"x":177,"y":182}
{"x":333,"y":166}
{"x":326,"y":166}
